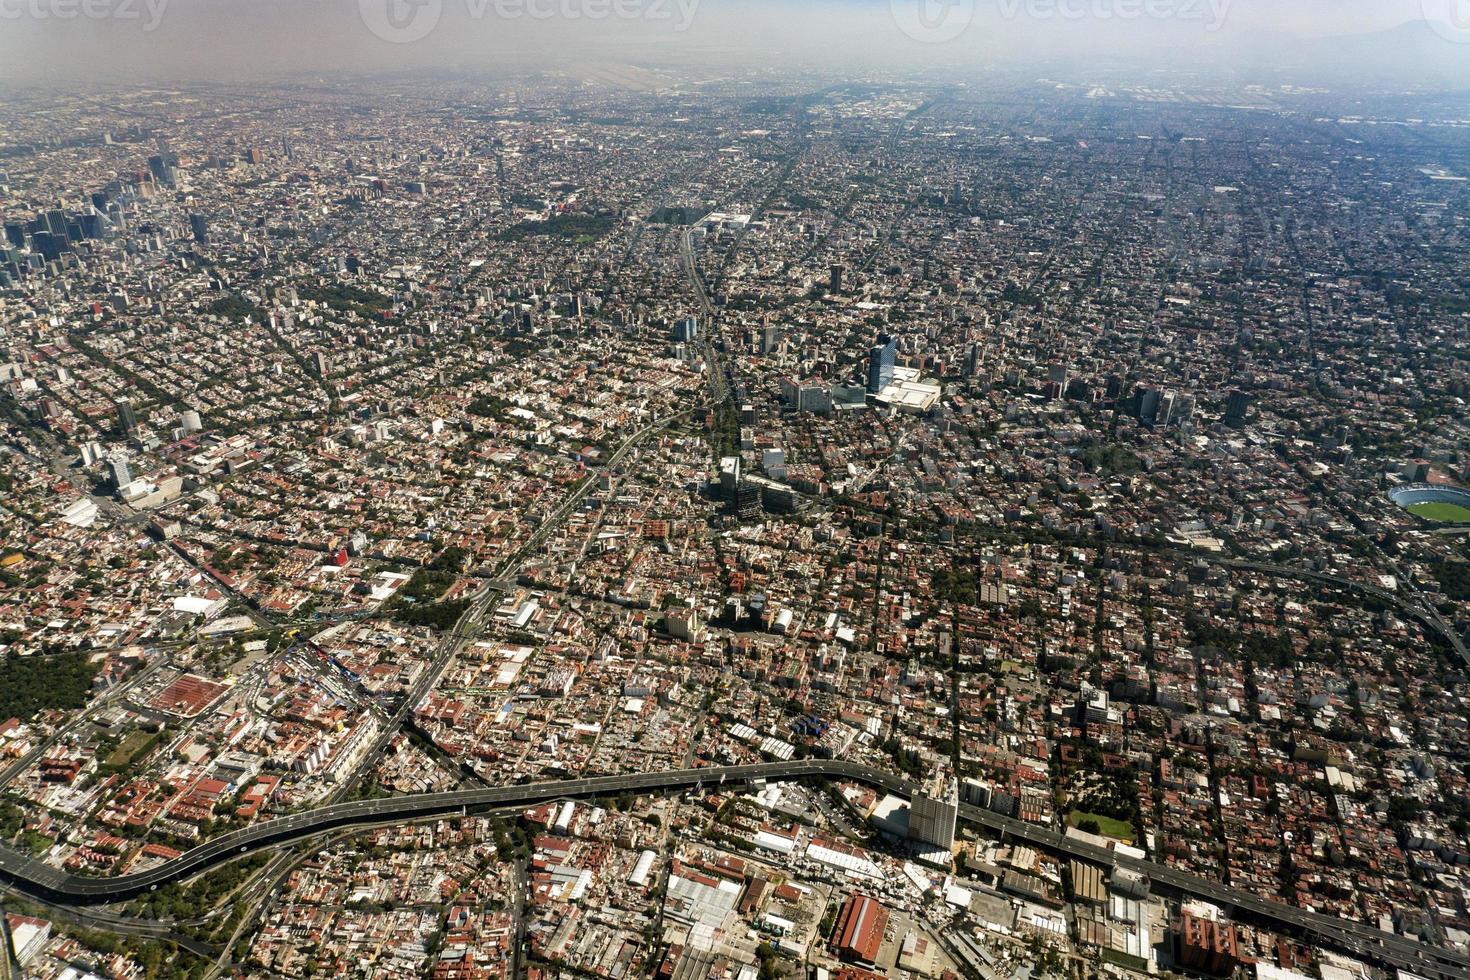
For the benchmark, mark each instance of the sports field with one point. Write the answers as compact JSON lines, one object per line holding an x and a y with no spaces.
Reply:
{"x":1442,"y":512}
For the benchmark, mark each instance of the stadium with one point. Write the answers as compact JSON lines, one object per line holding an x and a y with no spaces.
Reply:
{"x":1441,"y":505}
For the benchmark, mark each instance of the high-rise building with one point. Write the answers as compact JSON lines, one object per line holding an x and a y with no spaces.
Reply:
{"x":975,"y":793}
{"x":747,"y":500}
{"x":1146,"y":405}
{"x":126,"y":417}
{"x":122,"y":473}
{"x":48,"y":245}
{"x":200,"y":226}
{"x":729,"y":476}
{"x":1208,"y":946}
{"x":770,"y":338}
{"x":686,"y":330}
{"x":934,"y":812}
{"x":1165,"y":413}
{"x":683,"y":623}
{"x":1236,"y":407}
{"x":834,"y":281}
{"x":882,"y":359}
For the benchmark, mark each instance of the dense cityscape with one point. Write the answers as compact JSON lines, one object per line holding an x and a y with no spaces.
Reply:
{"x":735,"y":528}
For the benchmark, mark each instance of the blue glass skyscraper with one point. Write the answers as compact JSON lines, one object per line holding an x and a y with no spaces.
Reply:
{"x":881,"y":360}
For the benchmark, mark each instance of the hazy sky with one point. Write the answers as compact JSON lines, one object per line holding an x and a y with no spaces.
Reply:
{"x":55,"y":42}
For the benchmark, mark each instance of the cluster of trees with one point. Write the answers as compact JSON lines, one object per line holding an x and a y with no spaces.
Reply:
{"x":451,"y":559}
{"x":1454,"y":579}
{"x":12,"y":820}
{"x":435,"y":615}
{"x":417,"y":602}
{"x":30,"y":685}
{"x":955,"y":584}
{"x":1259,"y":648}
{"x":426,"y":585}
{"x":202,"y":895}
{"x":488,"y":406}
{"x":346,"y":298}
{"x":159,"y":960}
{"x":234,"y":307}
{"x":1109,"y":459}
{"x":1111,"y":799}
{"x":573,"y":226}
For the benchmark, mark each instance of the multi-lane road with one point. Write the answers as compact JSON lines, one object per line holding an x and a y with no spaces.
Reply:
{"x":717,"y":389}
{"x":53,"y":885}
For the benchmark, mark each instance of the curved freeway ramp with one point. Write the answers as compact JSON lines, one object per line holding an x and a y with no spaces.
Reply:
{"x":29,"y":875}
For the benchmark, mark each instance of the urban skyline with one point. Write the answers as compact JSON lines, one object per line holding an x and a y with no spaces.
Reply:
{"x":699,"y":518}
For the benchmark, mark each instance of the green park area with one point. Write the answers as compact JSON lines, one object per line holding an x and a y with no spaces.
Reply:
{"x":134,"y":746}
{"x":1096,"y":823}
{"x":30,"y":685}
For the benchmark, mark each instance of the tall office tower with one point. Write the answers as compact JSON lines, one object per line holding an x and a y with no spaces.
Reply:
{"x":729,"y":476}
{"x":834,"y":281}
{"x":126,"y":417}
{"x":200,"y":227}
{"x":686,"y":330}
{"x":882,"y":359}
{"x":972,"y":361}
{"x":1146,"y":405}
{"x":319,"y":361}
{"x":122,"y":473}
{"x":165,"y":168}
{"x":747,"y":501}
{"x":1167,"y":403}
{"x":770,"y":338}
{"x":934,"y":811}
{"x":1235,"y":409}
{"x":1183,"y":408}
{"x":47,"y":245}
